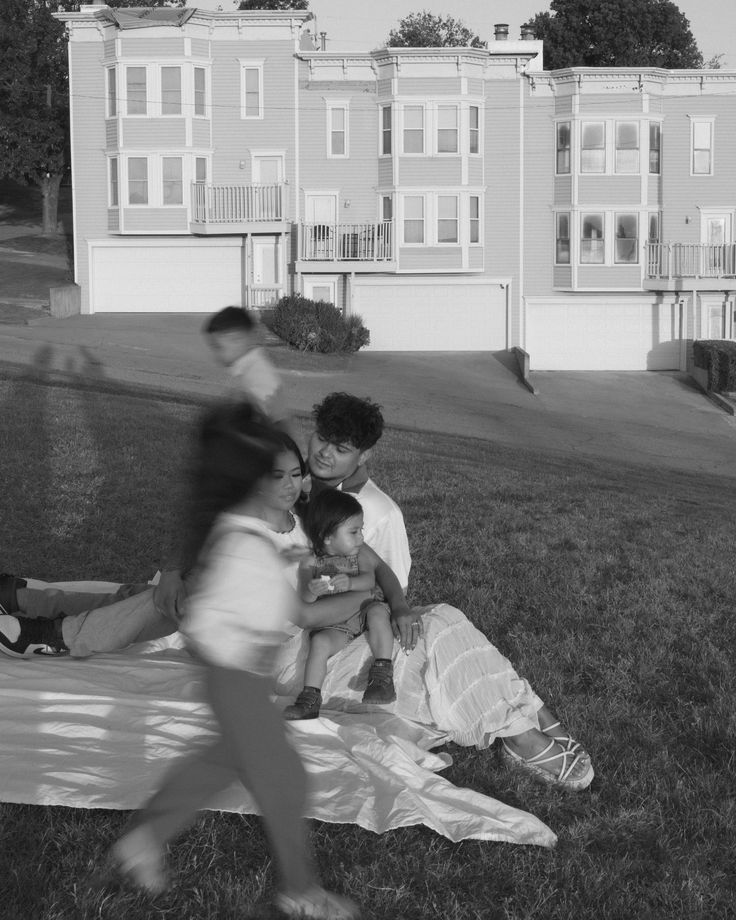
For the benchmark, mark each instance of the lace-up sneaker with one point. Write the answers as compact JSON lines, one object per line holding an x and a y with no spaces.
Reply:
{"x":380,"y":687}
{"x":306,"y":705}
{"x":9,"y":585}
{"x":21,"y":637}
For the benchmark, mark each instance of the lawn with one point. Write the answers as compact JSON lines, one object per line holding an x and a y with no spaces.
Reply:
{"x":610,"y":587}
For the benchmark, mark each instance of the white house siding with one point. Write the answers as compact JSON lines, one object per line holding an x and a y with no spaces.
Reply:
{"x":154,"y":134}
{"x":609,"y":191}
{"x":562,"y":276}
{"x":607,"y":332}
{"x":200,"y":48}
{"x":431,"y":88}
{"x":165,"y":276}
{"x":385,"y":172}
{"x":108,"y":49}
{"x":156,"y":220}
{"x":113,"y":220}
{"x":429,"y":172}
{"x":151,"y":48}
{"x":563,"y":191}
{"x":539,"y":189}
{"x":476,"y":261}
{"x":609,"y":105}
{"x":613,"y":277}
{"x":431,"y":314}
{"x":111,"y":134}
{"x":654,"y":191}
{"x":475,"y":87}
{"x":476,"y":172}
{"x":201,"y":132}
{"x":430,"y":259}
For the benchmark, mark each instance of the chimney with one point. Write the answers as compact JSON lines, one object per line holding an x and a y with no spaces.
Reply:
{"x":501,"y":31}
{"x":527,"y":33}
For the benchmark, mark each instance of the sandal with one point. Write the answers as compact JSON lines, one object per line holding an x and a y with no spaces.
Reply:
{"x":568,"y":761}
{"x":318,"y":904}
{"x":565,"y":741}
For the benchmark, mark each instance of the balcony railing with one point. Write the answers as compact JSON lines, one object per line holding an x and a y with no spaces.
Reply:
{"x":237,"y":204}
{"x":262,"y":298}
{"x":691,"y":260}
{"x":347,"y":242}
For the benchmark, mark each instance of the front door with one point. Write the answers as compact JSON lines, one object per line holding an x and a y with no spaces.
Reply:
{"x":717,"y":236}
{"x":320,"y":216}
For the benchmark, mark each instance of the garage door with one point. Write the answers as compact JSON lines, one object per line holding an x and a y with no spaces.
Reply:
{"x":172,"y":277}
{"x":602,"y":335}
{"x":432,"y":314}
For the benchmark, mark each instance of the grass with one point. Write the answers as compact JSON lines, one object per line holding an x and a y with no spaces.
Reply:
{"x":609,"y":586}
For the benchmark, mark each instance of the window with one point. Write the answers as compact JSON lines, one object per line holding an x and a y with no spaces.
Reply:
{"x":200,"y":169}
{"x":474,"y":219}
{"x":200,"y":92}
{"x":653,"y":229}
{"x":447,"y":219}
{"x":386,"y":130}
{"x":593,"y":147}
{"x":114,"y":198}
{"x":414,"y":219}
{"x":252,"y":91}
{"x":627,"y":147}
{"x":655,"y":147}
{"x":387,"y":208}
{"x":112,"y":93}
{"x":702,"y":145}
{"x":563,"y":148}
{"x":337,"y":120}
{"x":171,"y":90}
{"x":413,"y":129}
{"x":627,"y":238}
{"x":474,"y":129}
{"x":562,"y":236}
{"x":136,"y":90}
{"x":171,"y":174}
{"x":137,"y":180}
{"x":592,"y":241}
{"x":447,"y":129}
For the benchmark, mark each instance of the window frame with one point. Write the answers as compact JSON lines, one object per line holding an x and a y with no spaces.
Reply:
{"x":204,"y":93}
{"x":562,"y":149}
{"x":113,"y":182}
{"x":619,"y":148}
{"x":567,"y":215}
{"x":599,"y":147}
{"x":657,"y":149}
{"x":333,"y":107}
{"x":385,"y":131}
{"x":111,"y":86}
{"x":439,"y":219}
{"x":472,"y":107}
{"x":245,"y":67}
{"x":447,"y":107}
{"x":617,"y":221}
{"x":421,"y":108}
{"x":146,"y":113}
{"x":423,"y":220}
{"x":165,"y":181}
{"x":592,"y":239}
{"x":696,"y":123}
{"x":178,"y":109}
{"x":137,"y":204}
{"x":475,"y":220}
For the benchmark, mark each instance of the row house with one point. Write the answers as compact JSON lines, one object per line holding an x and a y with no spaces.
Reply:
{"x":457,"y":198}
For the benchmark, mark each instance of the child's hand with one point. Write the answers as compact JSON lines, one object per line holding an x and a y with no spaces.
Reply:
{"x":340,"y":582}
{"x":320,"y":586}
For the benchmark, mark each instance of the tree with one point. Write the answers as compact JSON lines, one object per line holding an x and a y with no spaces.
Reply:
{"x":624,"y":33}
{"x":274,"y":5}
{"x":34,"y":95}
{"x":426,"y":30}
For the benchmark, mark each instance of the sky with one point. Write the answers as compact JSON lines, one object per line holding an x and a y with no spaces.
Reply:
{"x":362,"y":25}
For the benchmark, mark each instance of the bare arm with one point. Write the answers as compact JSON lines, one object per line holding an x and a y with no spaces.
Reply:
{"x":403,"y":620}
{"x":331,"y":610}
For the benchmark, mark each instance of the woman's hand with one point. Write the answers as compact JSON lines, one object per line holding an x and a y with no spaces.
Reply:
{"x":319,"y":586}
{"x":407,"y":627}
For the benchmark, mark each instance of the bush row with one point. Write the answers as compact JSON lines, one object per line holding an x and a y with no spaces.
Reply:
{"x":718,"y":357}
{"x":314,"y":325}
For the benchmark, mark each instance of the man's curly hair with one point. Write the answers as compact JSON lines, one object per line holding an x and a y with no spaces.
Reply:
{"x":347,"y":419}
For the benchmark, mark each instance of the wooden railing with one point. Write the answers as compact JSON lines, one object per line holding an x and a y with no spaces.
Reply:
{"x":691,"y":260}
{"x":347,"y":242}
{"x":236,"y":204}
{"x":262,"y":298}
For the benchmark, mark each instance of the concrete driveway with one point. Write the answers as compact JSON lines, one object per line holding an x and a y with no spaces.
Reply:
{"x":659,"y":419}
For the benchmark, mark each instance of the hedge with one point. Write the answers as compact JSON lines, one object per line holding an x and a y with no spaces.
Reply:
{"x":314,"y":325}
{"x":718,"y":357}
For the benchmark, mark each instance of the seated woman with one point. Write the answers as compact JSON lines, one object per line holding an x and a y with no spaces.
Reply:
{"x":453,"y":678}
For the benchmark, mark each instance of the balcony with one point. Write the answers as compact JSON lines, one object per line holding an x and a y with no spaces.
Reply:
{"x":346,"y":247}
{"x":688,"y":266}
{"x":238,"y":209}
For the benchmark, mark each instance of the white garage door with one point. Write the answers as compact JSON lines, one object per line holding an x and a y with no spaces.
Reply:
{"x":432,"y":313}
{"x":172,"y":277}
{"x":602,"y":335}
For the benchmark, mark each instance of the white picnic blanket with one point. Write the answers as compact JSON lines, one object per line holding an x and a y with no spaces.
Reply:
{"x":100,"y":733}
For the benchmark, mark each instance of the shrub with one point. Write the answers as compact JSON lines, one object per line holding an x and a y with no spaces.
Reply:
{"x":311,"y":325}
{"x":718,"y":357}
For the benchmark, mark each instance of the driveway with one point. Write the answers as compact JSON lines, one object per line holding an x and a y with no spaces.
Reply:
{"x":659,"y":419}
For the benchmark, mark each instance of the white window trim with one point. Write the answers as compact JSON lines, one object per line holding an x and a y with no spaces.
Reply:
{"x":712,"y":122}
{"x":149,"y":91}
{"x":465,"y":115}
{"x":402,"y":121}
{"x":155,"y":177}
{"x":431,"y":216}
{"x":569,"y":122}
{"x":251,"y":65}
{"x":112,"y":69}
{"x":627,"y":172}
{"x":403,"y":218}
{"x":609,"y":215}
{"x":260,"y":153}
{"x":453,"y":244}
{"x":570,"y":239}
{"x":110,"y":160}
{"x":344,"y":106}
{"x":392,"y":128}
{"x":154,"y":101}
{"x":125,"y":161}
{"x":606,"y":147}
{"x":609,"y":123}
{"x":436,"y":130}
{"x":616,"y":215}
{"x":207,"y":105}
{"x":466,"y":219}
